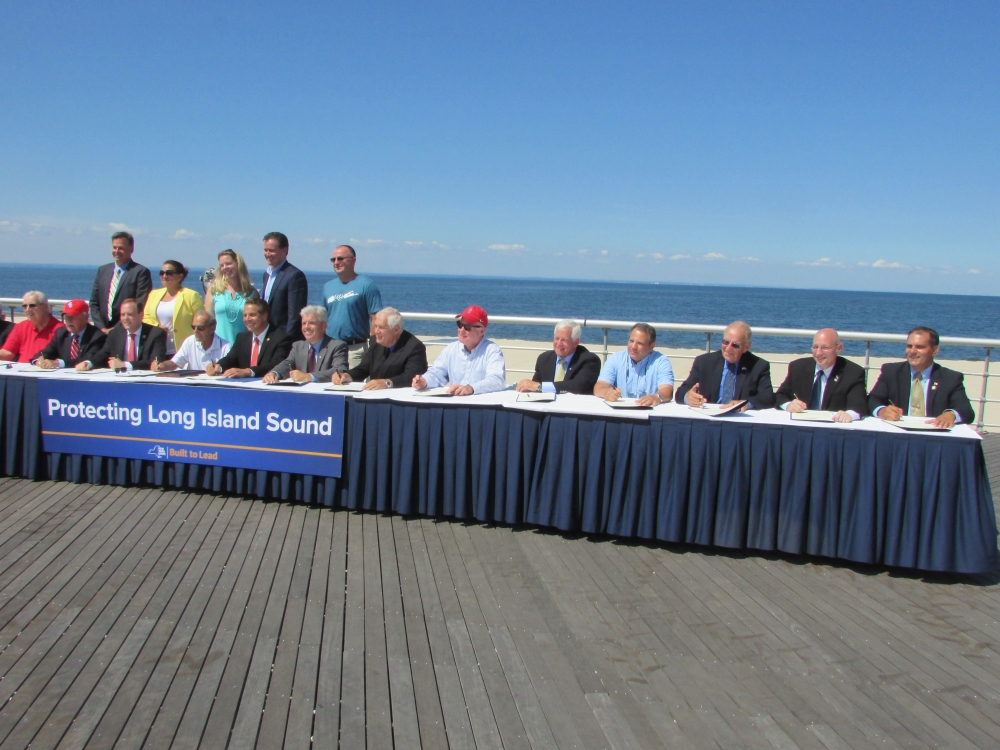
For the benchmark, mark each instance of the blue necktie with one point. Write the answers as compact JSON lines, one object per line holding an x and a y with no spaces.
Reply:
{"x":729,"y":383}
{"x":816,"y":399}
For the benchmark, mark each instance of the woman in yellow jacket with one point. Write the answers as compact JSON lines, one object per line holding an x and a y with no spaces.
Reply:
{"x":172,"y":306}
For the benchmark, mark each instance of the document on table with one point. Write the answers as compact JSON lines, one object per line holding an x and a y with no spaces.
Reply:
{"x":346,"y":387}
{"x":180,"y":374}
{"x":291,"y":383}
{"x":134,"y":373}
{"x":918,"y":424}
{"x":626,"y":403}
{"x":536,"y":397}
{"x":813,"y":415}
{"x":442,"y":391}
{"x":719,"y":410}
{"x":36,"y":368}
{"x":94,"y":371}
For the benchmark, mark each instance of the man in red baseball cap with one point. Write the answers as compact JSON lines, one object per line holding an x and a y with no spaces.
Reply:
{"x":76,"y":342}
{"x":473,"y":364}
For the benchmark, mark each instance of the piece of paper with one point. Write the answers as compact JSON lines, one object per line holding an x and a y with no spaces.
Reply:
{"x":135,"y":373}
{"x":348,"y":387}
{"x":290,"y":383}
{"x":180,"y":374}
{"x":918,"y":424}
{"x":94,"y":371}
{"x":813,"y":416}
{"x":719,"y":410}
{"x":442,"y":391}
{"x":626,"y":403}
{"x":537,"y":397}
{"x":36,"y":368}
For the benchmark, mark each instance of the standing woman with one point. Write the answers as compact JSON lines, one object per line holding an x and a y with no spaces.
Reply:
{"x":172,"y":306}
{"x":228,"y":293}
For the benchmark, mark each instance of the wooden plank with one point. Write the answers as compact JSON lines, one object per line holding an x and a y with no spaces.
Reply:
{"x":326,"y":726}
{"x":427,"y":702}
{"x":352,"y":680}
{"x":378,"y":713}
{"x":405,"y":727}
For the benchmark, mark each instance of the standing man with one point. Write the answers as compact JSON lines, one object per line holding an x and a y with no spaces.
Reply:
{"x":123,"y":279}
{"x":637,"y":372}
{"x":568,"y":368}
{"x":825,"y":381}
{"x":314,"y":359}
{"x":731,"y":374}
{"x":285,"y":289}
{"x":29,"y":337}
{"x":473,"y":364}
{"x":396,"y":357}
{"x":202,"y":348}
{"x":351,"y":301}
{"x":921,"y":388}
{"x":131,"y":345}
{"x":76,"y":342}
{"x":258,"y":349}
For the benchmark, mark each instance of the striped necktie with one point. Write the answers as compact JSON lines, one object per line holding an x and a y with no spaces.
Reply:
{"x":560,"y":370}
{"x":917,"y":408}
{"x":114,"y":288}
{"x":311,"y":364}
{"x":74,"y":346}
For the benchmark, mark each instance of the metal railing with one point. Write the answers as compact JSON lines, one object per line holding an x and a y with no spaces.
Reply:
{"x":606,"y":326}
{"x":13,"y":304}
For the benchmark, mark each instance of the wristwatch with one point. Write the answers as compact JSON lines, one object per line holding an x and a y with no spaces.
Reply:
{"x":388,"y":383}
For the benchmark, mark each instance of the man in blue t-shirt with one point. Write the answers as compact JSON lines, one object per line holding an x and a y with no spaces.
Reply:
{"x":351,"y":302}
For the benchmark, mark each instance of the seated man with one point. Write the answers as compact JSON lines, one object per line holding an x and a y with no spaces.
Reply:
{"x":131,"y":344}
{"x":76,"y":342}
{"x":637,"y":372}
{"x":921,"y":388}
{"x":731,"y":374}
{"x":473,"y":364}
{"x":393,"y":359}
{"x":258,"y":349}
{"x":5,"y":328}
{"x":30,"y":336}
{"x":568,"y":368}
{"x":825,"y":381}
{"x":317,"y":358}
{"x":202,"y":348}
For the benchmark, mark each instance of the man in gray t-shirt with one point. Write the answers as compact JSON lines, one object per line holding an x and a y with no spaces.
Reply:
{"x":351,"y":303}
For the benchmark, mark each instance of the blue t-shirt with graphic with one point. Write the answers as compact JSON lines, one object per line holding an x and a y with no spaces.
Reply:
{"x":349,"y":306}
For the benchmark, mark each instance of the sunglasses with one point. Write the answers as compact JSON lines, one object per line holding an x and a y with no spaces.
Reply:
{"x":466,"y":326}
{"x":168,"y":273}
{"x":734,"y":344}
{"x":31,"y":306}
{"x":341,"y":260}
{"x":204,"y":327}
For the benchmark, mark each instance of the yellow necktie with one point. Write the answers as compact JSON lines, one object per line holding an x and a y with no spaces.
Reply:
{"x":113,"y":289}
{"x":560,"y":371}
{"x":917,"y":397}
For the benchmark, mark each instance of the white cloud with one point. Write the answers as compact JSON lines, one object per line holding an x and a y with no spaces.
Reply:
{"x":116,"y":227}
{"x":679,"y":256}
{"x":515,"y":248}
{"x":752,"y":259}
{"x":313,"y":240}
{"x":9,"y":226}
{"x":822,"y":262}
{"x":714,"y":256}
{"x":640,"y":255}
{"x":368,"y":243}
{"x":973,"y":270}
{"x":885,"y":264}
{"x":657,"y":256}
{"x":183,"y":234}
{"x":414,"y":243}
{"x":583,"y":251}
{"x":604,"y":252}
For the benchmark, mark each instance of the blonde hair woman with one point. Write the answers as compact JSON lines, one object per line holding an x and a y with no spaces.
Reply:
{"x":172,"y":306}
{"x":228,"y":293}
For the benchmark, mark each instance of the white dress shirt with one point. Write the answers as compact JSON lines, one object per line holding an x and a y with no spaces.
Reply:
{"x":483,"y":368}
{"x":193,"y":356}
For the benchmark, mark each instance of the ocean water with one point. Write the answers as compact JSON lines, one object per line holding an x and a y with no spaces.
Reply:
{"x":884,"y":312}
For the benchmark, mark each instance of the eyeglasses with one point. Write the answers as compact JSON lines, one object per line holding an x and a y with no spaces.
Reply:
{"x":817,"y":348}
{"x":466,"y":326}
{"x":31,"y":306}
{"x":204,"y":327}
{"x":342,"y":260}
{"x":168,"y":273}
{"x":734,"y":344}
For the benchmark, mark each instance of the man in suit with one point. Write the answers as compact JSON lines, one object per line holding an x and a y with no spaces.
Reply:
{"x":568,"y":368}
{"x":314,"y":359}
{"x":393,"y":358}
{"x":826,"y":381}
{"x":5,"y":328}
{"x":123,"y":279}
{"x":131,"y":345}
{"x":285,"y":288}
{"x":76,"y":342}
{"x":730,"y":374}
{"x":921,"y":388}
{"x":258,"y":349}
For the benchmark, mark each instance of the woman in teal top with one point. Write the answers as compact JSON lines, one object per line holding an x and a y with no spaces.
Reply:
{"x":229,"y":292}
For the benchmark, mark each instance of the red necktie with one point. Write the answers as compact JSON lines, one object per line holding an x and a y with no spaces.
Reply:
{"x":311,"y":365}
{"x":130,"y":351}
{"x":254,"y":352}
{"x":74,"y":347}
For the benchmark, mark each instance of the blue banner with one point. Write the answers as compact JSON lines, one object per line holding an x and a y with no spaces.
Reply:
{"x":280,"y":430}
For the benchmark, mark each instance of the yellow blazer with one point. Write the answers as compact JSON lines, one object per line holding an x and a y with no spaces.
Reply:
{"x":186,"y":304}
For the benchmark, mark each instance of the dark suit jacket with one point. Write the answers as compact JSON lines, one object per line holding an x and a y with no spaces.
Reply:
{"x":275,"y":348}
{"x":289,"y":294}
{"x":845,"y":390}
{"x":5,"y":328}
{"x":753,"y":379}
{"x":582,"y":374}
{"x":135,"y":282}
{"x":92,"y":343}
{"x":332,"y":358}
{"x":409,"y":358}
{"x":152,"y":344}
{"x":946,"y":391}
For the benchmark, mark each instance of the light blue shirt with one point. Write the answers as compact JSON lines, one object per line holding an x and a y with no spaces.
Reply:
{"x":483,"y":368}
{"x":349,"y":307}
{"x":637,"y":379}
{"x":551,"y":387}
{"x":270,"y":280}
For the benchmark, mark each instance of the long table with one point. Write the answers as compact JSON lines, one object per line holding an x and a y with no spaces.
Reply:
{"x":866,"y":492}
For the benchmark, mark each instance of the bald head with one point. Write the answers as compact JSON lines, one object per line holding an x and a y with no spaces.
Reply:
{"x":736,"y":341}
{"x":826,"y":347}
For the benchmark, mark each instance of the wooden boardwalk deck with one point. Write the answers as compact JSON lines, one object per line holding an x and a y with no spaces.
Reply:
{"x":145,"y":618}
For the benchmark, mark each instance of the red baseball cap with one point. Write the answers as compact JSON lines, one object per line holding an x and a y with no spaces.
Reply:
{"x":473,"y":315}
{"x":76,"y":307}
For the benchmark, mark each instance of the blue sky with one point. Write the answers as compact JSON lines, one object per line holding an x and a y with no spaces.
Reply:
{"x":839,"y":145}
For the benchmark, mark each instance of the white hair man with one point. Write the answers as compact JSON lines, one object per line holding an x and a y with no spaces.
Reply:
{"x":394,"y":361}
{"x":568,"y":368}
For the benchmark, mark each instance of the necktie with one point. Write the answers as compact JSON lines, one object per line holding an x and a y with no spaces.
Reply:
{"x":254,"y":352}
{"x":74,"y":347}
{"x":130,"y":351}
{"x":113,"y":288}
{"x":729,"y":387}
{"x":917,"y":397}
{"x":560,"y":370}
{"x":816,"y":399}
{"x":311,"y":364}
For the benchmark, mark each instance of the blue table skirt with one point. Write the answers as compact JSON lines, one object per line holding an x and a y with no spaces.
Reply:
{"x":909,"y":501}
